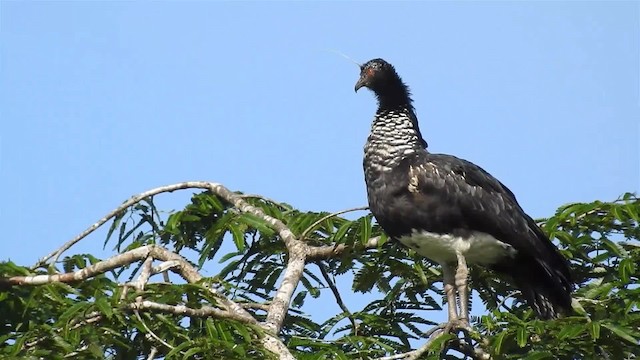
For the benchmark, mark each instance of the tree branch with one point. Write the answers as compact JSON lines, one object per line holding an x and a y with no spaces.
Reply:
{"x":298,"y":254}
{"x":152,"y":353}
{"x":150,"y":332}
{"x":203,"y":312}
{"x":454,"y":344}
{"x":292,"y":275}
{"x":329,"y":251}
{"x":218,"y":189}
{"x":415,"y":354}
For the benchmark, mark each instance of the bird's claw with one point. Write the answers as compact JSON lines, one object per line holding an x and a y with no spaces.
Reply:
{"x":457,"y":324}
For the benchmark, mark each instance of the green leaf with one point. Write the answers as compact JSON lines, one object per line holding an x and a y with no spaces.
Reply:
{"x":537,"y":355}
{"x":420,"y":272}
{"x":521,"y":336}
{"x":632,"y":210}
{"x":298,"y":300}
{"x":256,"y":222}
{"x":621,"y":332}
{"x":238,"y":237}
{"x":229,"y":256}
{"x":615,"y":248}
{"x":104,"y":306}
{"x":594,"y":329}
{"x":340,"y":233}
{"x":498,"y":342}
{"x":178,"y":349}
{"x":626,"y":268}
{"x":438,"y":343}
{"x":570,"y":331}
{"x":577,"y":307}
{"x":72,"y":311}
{"x":114,"y":225}
{"x":212,"y":333}
{"x":192,"y":351}
{"x":365,"y":230}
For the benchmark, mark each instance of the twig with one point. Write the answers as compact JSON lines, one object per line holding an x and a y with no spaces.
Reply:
{"x":264,"y":198}
{"x":203,"y":312}
{"x":164,"y":266}
{"x":297,"y":256}
{"x":152,"y":353}
{"x":77,"y":352}
{"x":184,"y":269}
{"x":336,"y":294}
{"x":150,"y":333}
{"x":89,"y":319}
{"x":145,"y":274}
{"x":394,"y":357}
{"x":433,"y":334}
{"x":304,"y":234}
{"x":329,"y":251}
{"x":263,"y":307}
{"x":215,"y":188}
{"x":503,"y":301}
{"x":415,"y":354}
{"x":85,"y":273}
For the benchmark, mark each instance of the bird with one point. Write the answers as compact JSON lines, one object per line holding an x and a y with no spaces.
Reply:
{"x":452,"y":211}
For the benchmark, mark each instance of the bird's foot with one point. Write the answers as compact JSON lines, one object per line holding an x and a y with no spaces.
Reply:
{"x":457,"y":324}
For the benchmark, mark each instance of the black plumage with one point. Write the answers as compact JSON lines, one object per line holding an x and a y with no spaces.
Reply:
{"x":451,"y":210}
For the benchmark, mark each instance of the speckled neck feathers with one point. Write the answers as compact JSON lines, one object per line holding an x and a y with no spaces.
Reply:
{"x":394,"y":133}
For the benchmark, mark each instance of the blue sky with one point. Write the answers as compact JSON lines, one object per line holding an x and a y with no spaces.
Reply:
{"x":102,"y":100}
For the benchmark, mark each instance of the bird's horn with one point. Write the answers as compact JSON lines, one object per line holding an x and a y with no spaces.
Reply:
{"x":345,"y":56}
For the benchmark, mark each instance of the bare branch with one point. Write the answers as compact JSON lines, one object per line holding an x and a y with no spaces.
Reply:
{"x":433,"y":334}
{"x":263,"y":307}
{"x":395,"y":356}
{"x":145,"y":274}
{"x":150,"y":333}
{"x":203,"y":312}
{"x":89,"y":319}
{"x":167,"y":265}
{"x":474,"y":352}
{"x":216,"y":188}
{"x":152,"y":353}
{"x":75,"y":353}
{"x":277,"y":347}
{"x":298,"y":253}
{"x":270,"y":342}
{"x":82,"y":274}
{"x":295,"y":265}
{"x":414,"y":355}
{"x":292,"y":275}
{"x":329,"y":251}
{"x":263,"y":198}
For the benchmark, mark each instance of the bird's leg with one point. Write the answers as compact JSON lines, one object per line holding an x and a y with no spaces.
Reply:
{"x":461,"y":276}
{"x":450,"y":291}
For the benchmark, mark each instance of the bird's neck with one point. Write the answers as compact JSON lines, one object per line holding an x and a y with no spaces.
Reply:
{"x":394,"y":136}
{"x":393,"y":94}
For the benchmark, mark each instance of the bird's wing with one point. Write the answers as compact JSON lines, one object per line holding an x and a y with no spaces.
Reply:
{"x":481,"y":202}
{"x":484,"y":204}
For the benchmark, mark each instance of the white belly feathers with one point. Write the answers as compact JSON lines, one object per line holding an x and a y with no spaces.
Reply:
{"x":479,"y":248}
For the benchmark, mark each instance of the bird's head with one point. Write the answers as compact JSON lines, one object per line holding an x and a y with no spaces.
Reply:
{"x":376,"y":74}
{"x":381,"y":78}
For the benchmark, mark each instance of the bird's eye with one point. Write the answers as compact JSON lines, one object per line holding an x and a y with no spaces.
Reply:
{"x":370,"y":72}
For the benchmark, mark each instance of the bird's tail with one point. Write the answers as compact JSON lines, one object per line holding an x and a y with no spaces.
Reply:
{"x":547,"y":289}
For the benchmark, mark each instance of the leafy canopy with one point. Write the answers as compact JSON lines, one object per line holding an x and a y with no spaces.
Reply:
{"x":151,"y":297}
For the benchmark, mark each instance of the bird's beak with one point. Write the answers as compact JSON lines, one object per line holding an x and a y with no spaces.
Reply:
{"x":361,"y":82}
